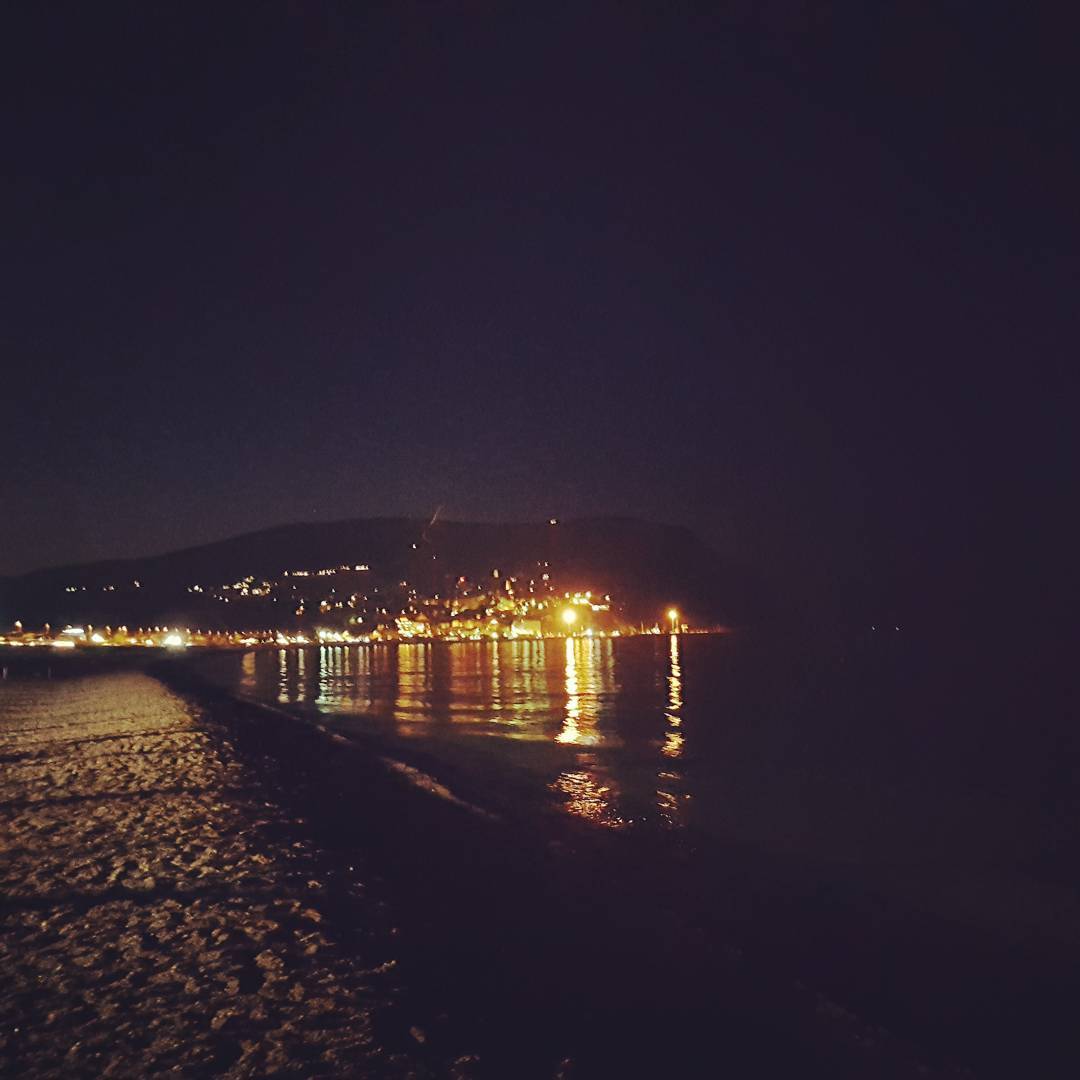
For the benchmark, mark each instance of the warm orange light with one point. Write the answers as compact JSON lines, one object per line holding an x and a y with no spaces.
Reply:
{"x":672,"y":614}
{"x":569,"y":616}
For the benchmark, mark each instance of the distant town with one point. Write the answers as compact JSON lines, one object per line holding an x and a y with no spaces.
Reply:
{"x":378,"y":580}
{"x":341,"y":604}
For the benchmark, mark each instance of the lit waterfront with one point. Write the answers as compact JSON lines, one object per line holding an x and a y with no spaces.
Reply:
{"x":706,"y":731}
{"x":593,"y":717}
{"x":402,"y":629}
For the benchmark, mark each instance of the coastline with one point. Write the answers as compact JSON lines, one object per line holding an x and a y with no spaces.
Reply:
{"x":528,"y":944}
{"x":870,"y":970}
{"x":605,"y":936}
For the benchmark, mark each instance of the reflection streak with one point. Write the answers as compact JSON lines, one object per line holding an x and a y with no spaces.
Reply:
{"x":671,"y":804}
{"x":283,"y":676}
{"x":587,"y":797}
{"x":576,"y":695}
{"x":673,"y":740}
{"x":588,"y":675}
{"x":413,"y":683}
{"x":247,"y":671}
{"x":570,"y":732}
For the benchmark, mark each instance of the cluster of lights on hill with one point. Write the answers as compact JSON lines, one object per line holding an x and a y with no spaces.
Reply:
{"x":347,"y":602}
{"x":476,"y":615}
{"x":360,"y":595}
{"x":418,"y":587}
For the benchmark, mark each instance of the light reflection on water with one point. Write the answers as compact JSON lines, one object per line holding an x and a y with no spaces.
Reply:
{"x":673,"y":740}
{"x":589,"y":681}
{"x":570,"y":732}
{"x":588,"y":796}
{"x":247,"y":668}
{"x":670,"y":801}
{"x":792,"y":745}
{"x":283,"y":676}
{"x":414,"y":682}
{"x":602,"y":719}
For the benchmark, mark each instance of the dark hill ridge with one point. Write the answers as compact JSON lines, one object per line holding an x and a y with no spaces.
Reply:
{"x":646,"y":565}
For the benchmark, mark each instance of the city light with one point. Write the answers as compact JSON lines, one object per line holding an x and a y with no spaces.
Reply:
{"x":512,"y":604}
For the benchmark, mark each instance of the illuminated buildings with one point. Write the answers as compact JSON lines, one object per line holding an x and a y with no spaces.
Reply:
{"x":352,"y":602}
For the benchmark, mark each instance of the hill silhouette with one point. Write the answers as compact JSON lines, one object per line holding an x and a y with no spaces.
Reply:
{"x":644,"y":565}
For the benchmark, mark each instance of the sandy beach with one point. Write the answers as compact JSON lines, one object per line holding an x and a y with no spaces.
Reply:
{"x":157,"y":915}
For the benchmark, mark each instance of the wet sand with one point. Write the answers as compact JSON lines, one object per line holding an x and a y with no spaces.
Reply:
{"x":157,"y":913}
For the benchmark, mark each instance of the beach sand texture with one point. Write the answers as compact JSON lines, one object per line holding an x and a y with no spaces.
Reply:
{"x":155,"y":912}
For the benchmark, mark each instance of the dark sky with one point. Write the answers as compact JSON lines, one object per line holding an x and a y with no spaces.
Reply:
{"x":802,"y":276}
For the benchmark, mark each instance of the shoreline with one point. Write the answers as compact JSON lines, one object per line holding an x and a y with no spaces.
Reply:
{"x":910,"y":982}
{"x":538,"y":892}
{"x":517,"y":929}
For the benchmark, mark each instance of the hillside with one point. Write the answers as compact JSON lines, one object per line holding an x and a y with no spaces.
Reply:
{"x":260,"y":578}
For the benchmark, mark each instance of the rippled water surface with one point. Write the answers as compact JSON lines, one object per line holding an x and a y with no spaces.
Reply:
{"x":601,"y":719}
{"x":843,"y":753}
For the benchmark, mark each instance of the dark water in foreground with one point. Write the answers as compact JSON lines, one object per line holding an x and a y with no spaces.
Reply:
{"x":844,"y":754}
{"x":916,"y":837}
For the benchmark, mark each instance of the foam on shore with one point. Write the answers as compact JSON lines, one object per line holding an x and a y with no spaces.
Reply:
{"x":152,"y":917}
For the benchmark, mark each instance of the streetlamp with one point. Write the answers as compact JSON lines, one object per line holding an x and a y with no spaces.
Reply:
{"x":569,"y":616}
{"x":673,"y":616}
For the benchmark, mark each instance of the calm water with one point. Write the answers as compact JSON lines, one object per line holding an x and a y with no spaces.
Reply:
{"x":850,"y":754}
{"x":598,"y":725}
{"x":895,"y":824}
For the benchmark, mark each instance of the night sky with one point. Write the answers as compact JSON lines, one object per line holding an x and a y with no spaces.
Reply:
{"x":804,"y":280}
